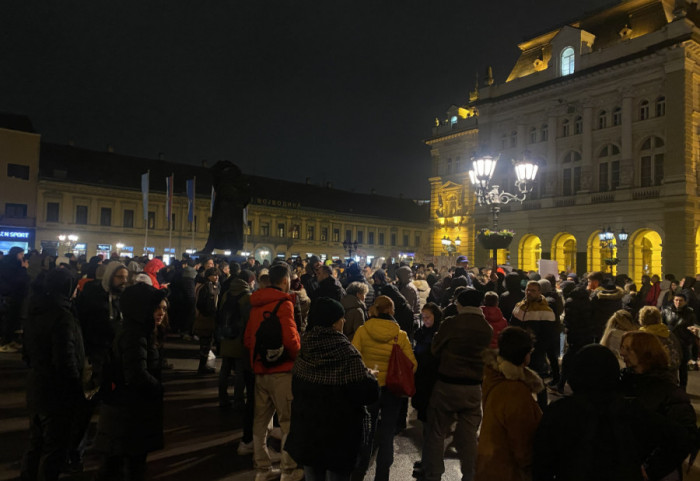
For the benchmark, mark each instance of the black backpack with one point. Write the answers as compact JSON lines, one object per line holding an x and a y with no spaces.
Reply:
{"x":268,"y":339}
{"x":229,"y":324}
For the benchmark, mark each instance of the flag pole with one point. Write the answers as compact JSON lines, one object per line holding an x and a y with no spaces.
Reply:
{"x":194,"y":214}
{"x":169,"y":200}
{"x":144,"y":192}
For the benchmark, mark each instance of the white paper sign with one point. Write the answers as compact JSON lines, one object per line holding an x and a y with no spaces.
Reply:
{"x":547,"y":267}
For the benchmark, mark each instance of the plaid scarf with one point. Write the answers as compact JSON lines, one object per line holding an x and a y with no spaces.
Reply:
{"x":327,"y":357}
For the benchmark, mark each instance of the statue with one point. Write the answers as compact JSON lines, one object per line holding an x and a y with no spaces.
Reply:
{"x":232,"y":196}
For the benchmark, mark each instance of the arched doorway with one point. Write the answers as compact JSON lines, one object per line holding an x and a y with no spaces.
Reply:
{"x":564,"y":251}
{"x":529,"y":252}
{"x":599,"y":253}
{"x":645,"y":254}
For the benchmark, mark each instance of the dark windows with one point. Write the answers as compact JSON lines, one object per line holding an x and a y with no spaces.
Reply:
{"x":310,"y":232}
{"x":151,"y":220}
{"x":336,"y":235}
{"x":571,"y":174}
{"x":370,"y":238}
{"x":105,"y":216}
{"x":617,"y":116}
{"x":324,"y":233}
{"x":660,"y":107}
{"x":393,"y":239}
{"x":52,"y":211}
{"x":652,"y":162}
{"x":18,"y":171}
{"x":360,"y":237}
{"x":265,"y":229}
{"x":381,"y":238}
{"x":81,"y":214}
{"x":609,"y":168}
{"x":128,"y":218}
{"x":15,"y":211}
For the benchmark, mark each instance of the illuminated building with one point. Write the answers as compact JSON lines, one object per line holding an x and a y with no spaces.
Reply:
{"x":92,"y":200}
{"x":611,"y":105}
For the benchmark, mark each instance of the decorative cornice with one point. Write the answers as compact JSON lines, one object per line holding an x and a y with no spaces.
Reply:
{"x":443,"y":138}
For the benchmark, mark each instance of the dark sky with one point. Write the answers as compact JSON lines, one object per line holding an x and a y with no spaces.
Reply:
{"x":335,"y":90}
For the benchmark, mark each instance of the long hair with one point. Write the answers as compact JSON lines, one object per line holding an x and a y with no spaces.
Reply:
{"x":651,"y":354}
{"x":621,"y":320}
{"x":649,"y":315}
{"x":382,"y":305}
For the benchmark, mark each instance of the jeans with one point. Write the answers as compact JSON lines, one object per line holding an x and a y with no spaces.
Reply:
{"x":321,"y":474}
{"x":382,"y":432}
{"x":450,"y":402}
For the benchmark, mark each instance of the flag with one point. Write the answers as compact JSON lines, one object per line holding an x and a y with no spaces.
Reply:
{"x":213,"y":198}
{"x":169,"y":182}
{"x":144,"y":193}
{"x":190,"y":200}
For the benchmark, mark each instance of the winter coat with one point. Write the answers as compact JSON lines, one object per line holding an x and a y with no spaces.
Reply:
{"x":238,"y":292}
{"x":604,"y":303}
{"x":494,"y":316}
{"x":182,"y":299}
{"x":402,"y":311}
{"x":427,"y":371}
{"x":355,"y":314}
{"x":423,"y":292}
{"x":375,"y":340}
{"x":510,"y":419}
{"x":578,"y":322}
{"x":14,"y":279}
{"x":207,"y":304}
{"x":265,"y":300}
{"x":670,"y":343}
{"x":678,"y":322}
{"x":513,"y":294}
{"x":131,"y":418}
{"x":152,"y":269}
{"x":331,"y":387}
{"x":53,"y":350}
{"x":459,"y":344}
{"x":328,"y":287}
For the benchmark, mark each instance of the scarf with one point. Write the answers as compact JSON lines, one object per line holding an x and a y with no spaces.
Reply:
{"x":327,"y":357}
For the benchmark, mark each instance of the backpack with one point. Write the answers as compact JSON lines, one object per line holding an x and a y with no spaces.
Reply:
{"x":268,"y":339}
{"x":229,"y":324}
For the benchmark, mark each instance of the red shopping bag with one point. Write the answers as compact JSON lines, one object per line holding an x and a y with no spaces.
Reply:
{"x":399,"y":376}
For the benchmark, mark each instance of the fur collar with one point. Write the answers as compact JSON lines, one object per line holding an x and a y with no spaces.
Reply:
{"x":613,"y":295}
{"x":511,"y":372}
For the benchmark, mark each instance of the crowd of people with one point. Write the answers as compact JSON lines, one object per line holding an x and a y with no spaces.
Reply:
{"x":306,"y":348}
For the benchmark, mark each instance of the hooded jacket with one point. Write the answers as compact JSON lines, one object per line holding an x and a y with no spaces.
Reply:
{"x":604,"y":303}
{"x":240,"y":290}
{"x":511,"y":417}
{"x":355,"y":314}
{"x":408,"y":290}
{"x":513,"y":294}
{"x":152,"y":269}
{"x":265,"y":300}
{"x":375,"y":340}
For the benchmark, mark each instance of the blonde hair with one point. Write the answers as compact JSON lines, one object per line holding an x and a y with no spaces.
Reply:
{"x":649,"y":350}
{"x":382,"y":305}
{"x":649,"y":315}
{"x":621,"y":320}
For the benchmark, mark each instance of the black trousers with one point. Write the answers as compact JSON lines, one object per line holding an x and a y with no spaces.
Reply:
{"x":49,"y":436}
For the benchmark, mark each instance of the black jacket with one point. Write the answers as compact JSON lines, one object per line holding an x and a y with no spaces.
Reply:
{"x":604,"y":303}
{"x":580,"y":328}
{"x":328,"y":287}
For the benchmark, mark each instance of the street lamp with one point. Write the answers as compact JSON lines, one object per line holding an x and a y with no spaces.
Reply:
{"x":350,"y":246}
{"x":447,"y":245}
{"x":483,"y":168}
{"x":608,"y":241}
{"x":68,"y":240}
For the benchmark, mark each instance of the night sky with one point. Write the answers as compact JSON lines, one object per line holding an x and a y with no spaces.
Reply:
{"x":338,"y":91}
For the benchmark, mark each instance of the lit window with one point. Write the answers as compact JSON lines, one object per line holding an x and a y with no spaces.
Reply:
{"x":567,"y":61}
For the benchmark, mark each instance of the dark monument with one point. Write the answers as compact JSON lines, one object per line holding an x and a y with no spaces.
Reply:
{"x":232,"y":196}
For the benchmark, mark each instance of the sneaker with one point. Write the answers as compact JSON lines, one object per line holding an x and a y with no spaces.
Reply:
{"x":245,"y":448}
{"x":294,"y":475}
{"x":267,"y":475}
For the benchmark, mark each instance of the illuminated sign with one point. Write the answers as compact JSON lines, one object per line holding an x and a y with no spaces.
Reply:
{"x":152,"y":250}
{"x":14,"y":235}
{"x":104,"y":247}
{"x":169,"y":251}
{"x":128,"y":248}
{"x":80,"y":247}
{"x":276,"y":203}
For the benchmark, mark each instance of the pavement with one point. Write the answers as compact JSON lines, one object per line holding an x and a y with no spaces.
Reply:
{"x":201,"y":438}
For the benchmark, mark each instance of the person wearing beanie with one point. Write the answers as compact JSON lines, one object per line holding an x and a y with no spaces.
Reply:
{"x":458,"y":345}
{"x":207,"y":296}
{"x":331,"y":388}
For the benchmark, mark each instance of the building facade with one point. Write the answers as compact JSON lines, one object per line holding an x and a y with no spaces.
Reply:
{"x":90,"y":203}
{"x":610,"y":104}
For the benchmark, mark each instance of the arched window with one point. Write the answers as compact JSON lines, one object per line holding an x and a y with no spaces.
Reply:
{"x":565,"y":128}
{"x":609,"y":168}
{"x":567,"y":61}
{"x":578,"y":125}
{"x":571,"y":173}
{"x":617,"y":116}
{"x":602,"y":119}
{"x":533,"y":135}
{"x":651,"y":166}
{"x":660,"y":106}
{"x":514,"y":138}
{"x":544,"y":133}
{"x":644,"y":110}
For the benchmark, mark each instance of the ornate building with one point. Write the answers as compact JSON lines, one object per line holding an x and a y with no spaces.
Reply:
{"x":90,"y":202}
{"x":610,"y":104}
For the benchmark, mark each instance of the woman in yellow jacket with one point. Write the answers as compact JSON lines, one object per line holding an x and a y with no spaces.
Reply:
{"x":375,"y":340}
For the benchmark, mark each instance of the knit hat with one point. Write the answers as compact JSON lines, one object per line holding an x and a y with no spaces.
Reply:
{"x":470,"y":297}
{"x":325,"y":312}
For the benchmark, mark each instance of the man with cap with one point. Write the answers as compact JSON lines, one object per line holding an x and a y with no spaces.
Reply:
{"x":462,"y":268}
{"x":458,"y":346}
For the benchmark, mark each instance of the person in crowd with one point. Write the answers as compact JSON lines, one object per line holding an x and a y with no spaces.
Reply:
{"x":648,"y":380}
{"x":512,"y":295}
{"x":273,"y":385}
{"x":534,"y":314}
{"x":354,"y":305}
{"x":309,"y":279}
{"x":511,"y":415}
{"x":650,"y":320}
{"x":645,"y":292}
{"x":408,"y":291}
{"x":679,"y":317}
{"x":597,"y":434}
{"x":232,"y":317}
{"x":553,"y":342}
{"x":606,"y":298}
{"x":629,"y":299}
{"x":207,"y":295}
{"x":652,"y":296}
{"x":331,"y":387}
{"x":355,"y":274}
{"x":183,"y":301}
{"x":53,"y":350}
{"x":578,"y":327}
{"x":423,"y":288}
{"x":152,"y":268}
{"x":494,"y":316}
{"x":14,"y":287}
{"x":89,"y":271}
{"x":458,"y":345}
{"x":303,"y":301}
{"x":618,"y":324}
{"x":666,"y":292}
{"x":374,"y":340}
{"x":328,"y":286}
{"x":131,"y":418}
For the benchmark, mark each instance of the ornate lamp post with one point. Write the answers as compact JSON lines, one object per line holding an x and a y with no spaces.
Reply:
{"x":68,"y":240}
{"x":486,"y":194}
{"x":608,"y":241}
{"x":350,"y":246}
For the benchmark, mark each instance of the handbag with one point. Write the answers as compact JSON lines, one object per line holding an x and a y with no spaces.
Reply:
{"x":399,"y":376}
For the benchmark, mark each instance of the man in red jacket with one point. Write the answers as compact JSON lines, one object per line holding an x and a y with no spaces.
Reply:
{"x":273,"y":385}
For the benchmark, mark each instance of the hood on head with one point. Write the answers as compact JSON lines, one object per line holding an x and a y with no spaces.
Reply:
{"x":153,"y":266}
{"x":594,"y":369}
{"x":59,"y":282}
{"x":134,"y":267}
{"x":110,"y":269}
{"x":138,"y":302}
{"x":512,"y":281}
